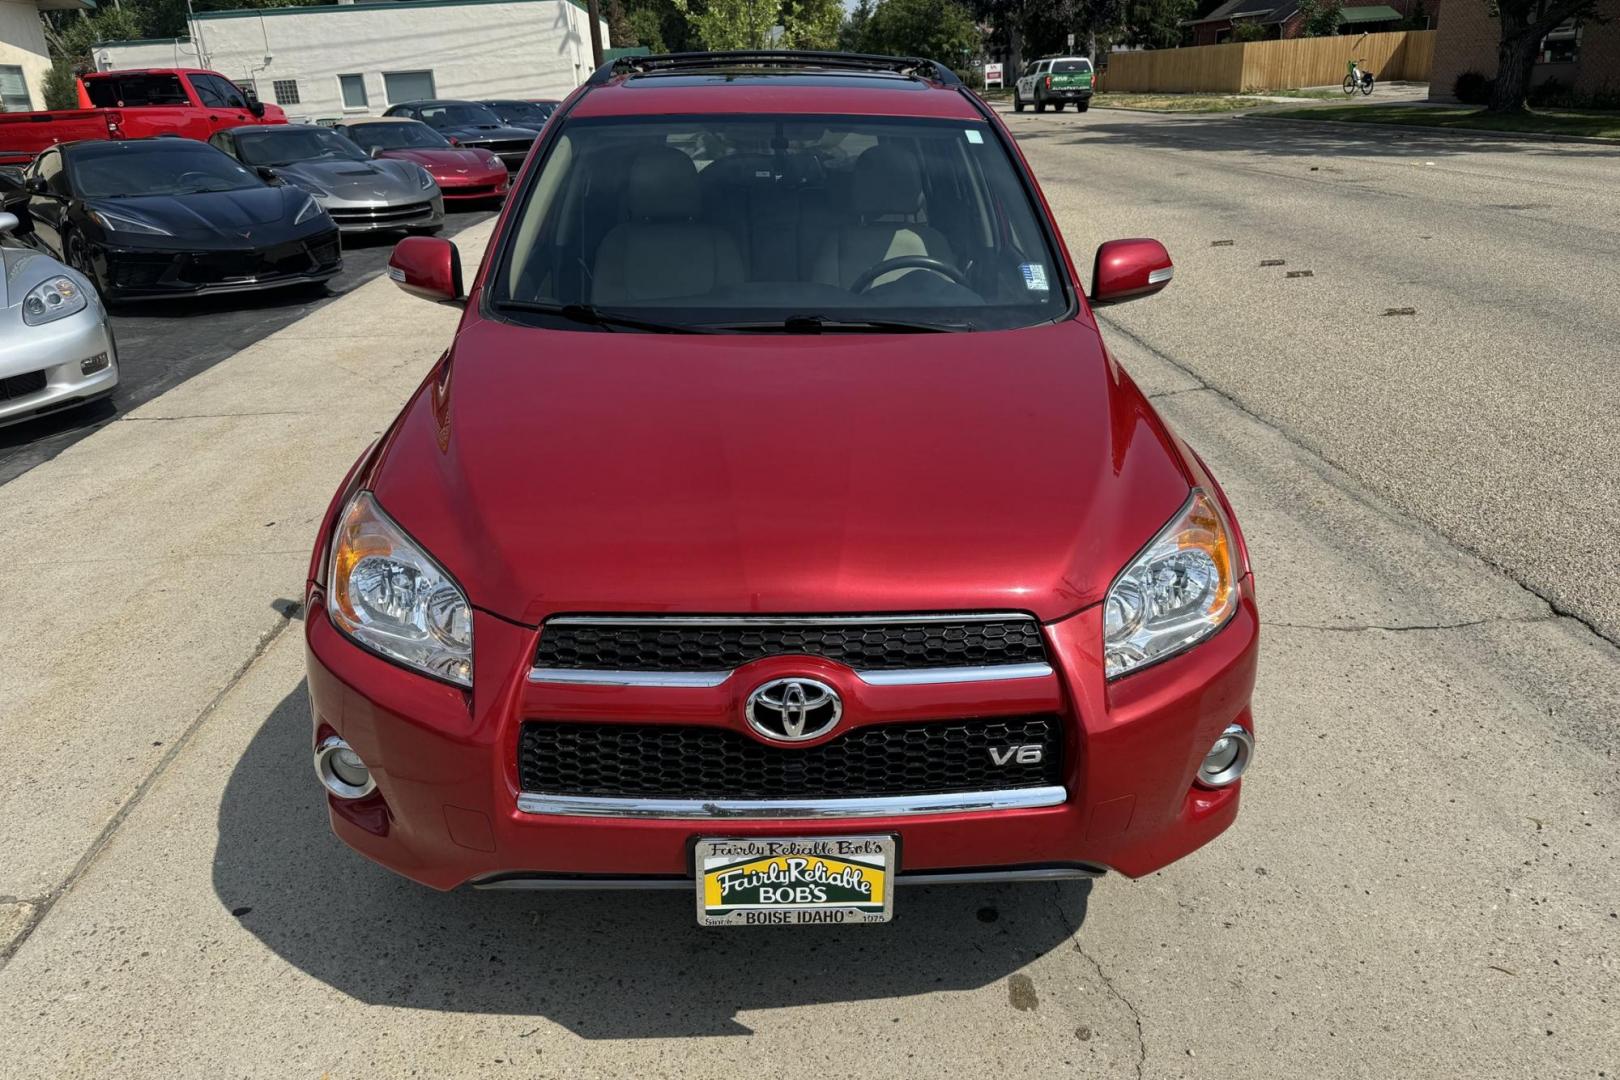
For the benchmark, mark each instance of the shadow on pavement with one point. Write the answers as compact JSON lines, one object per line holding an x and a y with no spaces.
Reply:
{"x":1289,"y":139}
{"x":603,"y":965}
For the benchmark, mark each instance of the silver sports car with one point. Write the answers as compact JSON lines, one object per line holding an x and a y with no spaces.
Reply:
{"x":56,"y":350}
{"x":361,"y":193}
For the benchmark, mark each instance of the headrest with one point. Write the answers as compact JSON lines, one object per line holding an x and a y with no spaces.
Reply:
{"x":888,"y":180}
{"x":663,"y":186}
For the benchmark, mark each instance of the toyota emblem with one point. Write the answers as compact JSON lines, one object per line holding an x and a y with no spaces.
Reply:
{"x":794,"y":710}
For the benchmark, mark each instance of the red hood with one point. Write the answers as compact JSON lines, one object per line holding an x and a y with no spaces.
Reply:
{"x":606,"y":472}
{"x":444,"y":163}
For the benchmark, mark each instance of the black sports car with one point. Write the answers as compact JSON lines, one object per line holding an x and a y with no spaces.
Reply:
{"x":171,"y":216}
{"x":471,"y":123}
{"x":523,"y":114}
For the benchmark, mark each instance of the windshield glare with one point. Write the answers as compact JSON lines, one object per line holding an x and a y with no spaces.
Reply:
{"x":290,"y":145}
{"x":396,"y":136}
{"x":522,"y":113}
{"x":461,"y":115}
{"x":171,"y":170}
{"x":746,"y":222}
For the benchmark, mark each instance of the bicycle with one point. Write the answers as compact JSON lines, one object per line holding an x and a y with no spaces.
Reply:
{"x":1357,"y":79}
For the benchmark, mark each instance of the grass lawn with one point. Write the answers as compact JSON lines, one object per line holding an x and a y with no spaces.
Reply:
{"x":1320,"y":95}
{"x":1176,"y":103}
{"x":1603,"y":125}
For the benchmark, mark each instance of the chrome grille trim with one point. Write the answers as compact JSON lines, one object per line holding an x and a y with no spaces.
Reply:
{"x":777,"y":809}
{"x":701,"y":679}
{"x":779,"y":620}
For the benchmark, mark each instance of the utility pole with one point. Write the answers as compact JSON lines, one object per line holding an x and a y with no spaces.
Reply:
{"x":593,"y":11}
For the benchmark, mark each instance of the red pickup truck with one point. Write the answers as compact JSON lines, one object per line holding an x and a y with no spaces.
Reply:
{"x":133,"y":105}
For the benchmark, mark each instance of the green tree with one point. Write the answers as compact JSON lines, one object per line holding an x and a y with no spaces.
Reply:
{"x":811,"y":24}
{"x":1156,"y":24}
{"x":852,"y":33}
{"x":937,"y":29}
{"x":61,"y":92}
{"x":1248,"y":30}
{"x":1321,"y":17}
{"x":732,"y":24}
{"x":647,"y":27}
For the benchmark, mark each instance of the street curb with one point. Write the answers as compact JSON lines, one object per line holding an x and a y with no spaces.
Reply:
{"x":1504,"y":136}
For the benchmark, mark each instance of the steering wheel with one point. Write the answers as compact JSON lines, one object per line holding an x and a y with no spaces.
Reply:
{"x":908,"y":262}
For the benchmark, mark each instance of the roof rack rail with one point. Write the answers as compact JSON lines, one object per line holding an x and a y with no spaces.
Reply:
{"x":803,"y":59}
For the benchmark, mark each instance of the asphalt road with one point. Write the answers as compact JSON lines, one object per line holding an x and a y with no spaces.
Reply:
{"x":161,"y":344}
{"x":1422,"y":882}
{"x":1453,"y":345}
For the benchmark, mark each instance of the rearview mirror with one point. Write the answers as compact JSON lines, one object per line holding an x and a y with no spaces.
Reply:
{"x":1128,"y":269}
{"x":428,"y":267}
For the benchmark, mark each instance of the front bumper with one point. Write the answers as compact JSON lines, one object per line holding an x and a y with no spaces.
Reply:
{"x":424,"y":213}
{"x":41,"y":366}
{"x":145,"y":272}
{"x":447,"y":806}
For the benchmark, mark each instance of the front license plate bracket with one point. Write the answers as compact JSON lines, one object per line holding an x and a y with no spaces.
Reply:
{"x":794,"y":881}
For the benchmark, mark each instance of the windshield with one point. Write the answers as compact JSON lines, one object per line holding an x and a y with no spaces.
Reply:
{"x":172,"y":169}
{"x":286,"y":146}
{"x":753,"y":222}
{"x":523,"y":113}
{"x":396,"y":136}
{"x":460,"y":114}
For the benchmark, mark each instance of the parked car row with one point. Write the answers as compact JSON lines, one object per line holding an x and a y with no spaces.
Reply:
{"x":207,"y":200}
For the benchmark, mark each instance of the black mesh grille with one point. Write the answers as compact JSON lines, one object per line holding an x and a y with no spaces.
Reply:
{"x":688,"y":762}
{"x":16,"y":386}
{"x":863,"y":646}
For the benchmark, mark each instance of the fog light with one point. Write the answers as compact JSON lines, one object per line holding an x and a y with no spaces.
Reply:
{"x":93,"y":364}
{"x":1228,"y":758}
{"x":341,"y":771}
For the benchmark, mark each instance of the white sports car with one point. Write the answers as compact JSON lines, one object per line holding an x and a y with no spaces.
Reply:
{"x":56,"y":349}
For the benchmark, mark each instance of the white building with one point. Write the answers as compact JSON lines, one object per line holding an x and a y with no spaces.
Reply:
{"x":355,"y":58}
{"x":24,"y":59}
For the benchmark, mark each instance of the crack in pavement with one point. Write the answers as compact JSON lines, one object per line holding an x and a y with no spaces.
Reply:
{"x":44,"y":905}
{"x":1343,"y":481}
{"x":1102,"y":976}
{"x":1357,"y":629}
{"x":211,"y":416}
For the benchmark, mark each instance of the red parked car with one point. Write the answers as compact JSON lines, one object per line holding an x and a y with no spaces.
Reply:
{"x":777,"y":525}
{"x":136,"y":105}
{"x":463,"y":173}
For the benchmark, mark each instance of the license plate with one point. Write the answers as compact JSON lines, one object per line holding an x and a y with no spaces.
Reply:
{"x":788,"y":881}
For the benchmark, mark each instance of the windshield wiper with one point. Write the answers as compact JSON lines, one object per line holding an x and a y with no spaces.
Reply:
{"x":592,"y":316}
{"x":820,"y":324}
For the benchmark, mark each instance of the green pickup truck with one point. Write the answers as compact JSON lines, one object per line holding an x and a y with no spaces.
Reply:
{"x":1055,"y":81}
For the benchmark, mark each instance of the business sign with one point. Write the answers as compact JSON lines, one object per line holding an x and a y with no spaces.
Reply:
{"x":992,"y":74}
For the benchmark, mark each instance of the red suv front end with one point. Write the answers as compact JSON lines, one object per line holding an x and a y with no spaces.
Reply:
{"x":778,"y":526}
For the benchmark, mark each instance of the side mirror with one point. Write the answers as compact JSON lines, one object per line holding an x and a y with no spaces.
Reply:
{"x":1128,"y":269}
{"x":255,"y":106}
{"x":8,"y":222}
{"x":267,"y":174}
{"x":35,"y":185}
{"x":453,"y":140}
{"x":428,"y":267}
{"x":375,"y":151}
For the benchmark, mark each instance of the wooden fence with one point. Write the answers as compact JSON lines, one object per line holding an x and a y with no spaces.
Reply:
{"x":1269,"y":65}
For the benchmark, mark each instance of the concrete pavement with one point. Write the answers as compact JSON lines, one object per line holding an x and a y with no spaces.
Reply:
{"x":1422,"y":882}
{"x":1488,"y":412}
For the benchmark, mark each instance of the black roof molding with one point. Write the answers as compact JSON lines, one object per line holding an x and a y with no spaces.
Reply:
{"x":786,"y":59}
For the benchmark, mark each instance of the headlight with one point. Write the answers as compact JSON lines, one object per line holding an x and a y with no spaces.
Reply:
{"x":115,"y":222}
{"x":495,"y":162}
{"x":427,"y":179}
{"x":390,"y":596}
{"x":310,"y":209}
{"x":1178,"y":591}
{"x":51,"y":300}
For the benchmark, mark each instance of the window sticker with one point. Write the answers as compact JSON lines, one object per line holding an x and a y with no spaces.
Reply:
{"x":1034,"y":276}
{"x":974,"y":137}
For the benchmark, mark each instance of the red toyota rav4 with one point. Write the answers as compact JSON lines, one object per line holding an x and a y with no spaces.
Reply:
{"x":777,"y":525}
